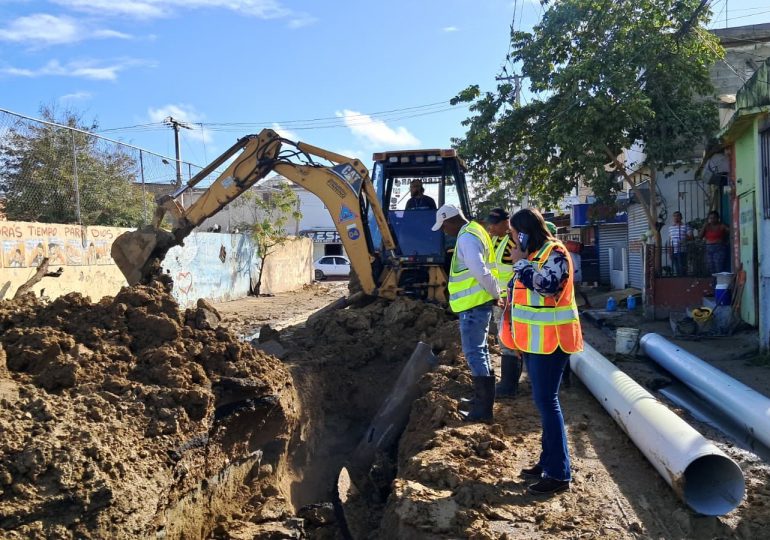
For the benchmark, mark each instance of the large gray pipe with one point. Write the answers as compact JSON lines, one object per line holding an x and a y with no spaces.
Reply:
{"x":700,"y":474}
{"x":393,"y":415}
{"x":747,"y":407}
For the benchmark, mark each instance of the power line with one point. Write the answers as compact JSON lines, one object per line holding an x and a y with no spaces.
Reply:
{"x":310,"y":123}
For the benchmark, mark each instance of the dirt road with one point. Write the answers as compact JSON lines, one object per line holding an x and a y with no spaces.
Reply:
{"x":462,"y":480}
{"x":246,"y":315}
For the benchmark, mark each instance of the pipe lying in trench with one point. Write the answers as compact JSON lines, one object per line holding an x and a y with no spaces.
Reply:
{"x":355,"y":485}
{"x":701,"y":475}
{"x":747,"y":407}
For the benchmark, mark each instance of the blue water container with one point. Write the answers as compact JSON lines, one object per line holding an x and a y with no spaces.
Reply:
{"x":631,"y":302}
{"x":722,"y":296}
{"x":612,"y":304}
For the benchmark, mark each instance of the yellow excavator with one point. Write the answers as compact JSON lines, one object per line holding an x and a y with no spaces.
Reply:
{"x":392,"y":252}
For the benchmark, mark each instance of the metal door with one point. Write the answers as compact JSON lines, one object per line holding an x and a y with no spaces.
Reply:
{"x":749,"y":302}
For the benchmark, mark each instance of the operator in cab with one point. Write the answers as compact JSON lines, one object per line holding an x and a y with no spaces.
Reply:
{"x":473,"y":291}
{"x":418,"y":200}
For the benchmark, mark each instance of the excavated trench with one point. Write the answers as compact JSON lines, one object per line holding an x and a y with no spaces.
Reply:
{"x":131,"y":419}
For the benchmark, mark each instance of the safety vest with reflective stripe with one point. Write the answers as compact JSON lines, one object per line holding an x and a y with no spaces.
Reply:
{"x":464,"y":291}
{"x":541,"y":324}
{"x":503,"y":272}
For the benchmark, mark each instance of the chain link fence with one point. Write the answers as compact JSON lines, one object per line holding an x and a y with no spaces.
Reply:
{"x":51,"y":173}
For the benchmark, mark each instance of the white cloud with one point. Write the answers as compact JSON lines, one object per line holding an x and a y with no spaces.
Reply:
{"x":186,"y":114}
{"x":450,"y":29}
{"x":86,"y":69}
{"x":76,"y":96}
{"x":301,"y":20}
{"x":361,"y":155}
{"x":147,"y":9}
{"x":285,"y":133}
{"x":41,"y":29}
{"x":111,"y":34}
{"x":376,"y":133}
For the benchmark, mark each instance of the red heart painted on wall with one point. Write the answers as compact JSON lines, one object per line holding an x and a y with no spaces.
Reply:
{"x":184,"y":282}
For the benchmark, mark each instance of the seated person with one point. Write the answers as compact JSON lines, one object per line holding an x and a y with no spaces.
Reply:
{"x":418,"y":199}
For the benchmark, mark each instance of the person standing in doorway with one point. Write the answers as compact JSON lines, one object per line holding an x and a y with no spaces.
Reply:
{"x":510,"y":360}
{"x":679,"y":233}
{"x":716,"y":235}
{"x":473,"y":290}
{"x":545,"y":326}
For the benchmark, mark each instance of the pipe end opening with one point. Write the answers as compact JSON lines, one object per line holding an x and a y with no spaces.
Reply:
{"x":713,"y":485}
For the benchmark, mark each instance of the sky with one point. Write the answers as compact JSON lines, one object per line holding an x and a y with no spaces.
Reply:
{"x":351,"y":76}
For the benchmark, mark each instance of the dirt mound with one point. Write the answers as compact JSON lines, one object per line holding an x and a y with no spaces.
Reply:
{"x":115,"y":414}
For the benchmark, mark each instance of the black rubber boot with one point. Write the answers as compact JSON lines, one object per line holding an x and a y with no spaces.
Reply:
{"x":483,"y":400}
{"x":466,"y":404}
{"x":510,"y":373}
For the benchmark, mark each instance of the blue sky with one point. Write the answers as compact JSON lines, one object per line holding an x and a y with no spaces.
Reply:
{"x":266,"y":63}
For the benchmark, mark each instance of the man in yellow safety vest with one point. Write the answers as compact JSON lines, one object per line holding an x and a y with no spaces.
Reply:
{"x":510,"y":361}
{"x":473,"y":290}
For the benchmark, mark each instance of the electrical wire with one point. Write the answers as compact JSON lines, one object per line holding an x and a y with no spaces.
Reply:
{"x":290,"y":124}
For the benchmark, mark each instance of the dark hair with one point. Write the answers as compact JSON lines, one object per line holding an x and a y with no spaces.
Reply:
{"x":531,"y":222}
{"x":714,"y":213}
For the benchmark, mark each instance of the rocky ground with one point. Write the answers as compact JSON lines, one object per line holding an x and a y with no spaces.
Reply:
{"x":128,"y":418}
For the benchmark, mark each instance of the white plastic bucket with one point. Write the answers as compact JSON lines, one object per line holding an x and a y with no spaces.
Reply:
{"x":724,"y":279}
{"x":626,"y":340}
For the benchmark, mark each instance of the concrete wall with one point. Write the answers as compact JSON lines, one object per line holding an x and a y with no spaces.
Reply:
{"x":216,"y":266}
{"x":83,"y":252}
{"x":289,"y":267}
{"x":213,"y":266}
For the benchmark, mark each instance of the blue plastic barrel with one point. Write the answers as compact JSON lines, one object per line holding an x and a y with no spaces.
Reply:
{"x":612,"y":304}
{"x":631,"y":302}
{"x":722,"y":296}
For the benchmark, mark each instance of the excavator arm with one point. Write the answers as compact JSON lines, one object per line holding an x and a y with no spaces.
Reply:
{"x":341,"y":186}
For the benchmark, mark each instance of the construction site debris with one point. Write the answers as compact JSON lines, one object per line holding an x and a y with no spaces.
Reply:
{"x":112,"y":413}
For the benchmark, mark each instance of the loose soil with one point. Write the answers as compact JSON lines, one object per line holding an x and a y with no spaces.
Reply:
{"x":130,"y":419}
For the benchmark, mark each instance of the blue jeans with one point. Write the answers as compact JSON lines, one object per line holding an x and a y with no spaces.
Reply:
{"x":680,"y":263}
{"x":474,"y":327}
{"x":545,"y":372}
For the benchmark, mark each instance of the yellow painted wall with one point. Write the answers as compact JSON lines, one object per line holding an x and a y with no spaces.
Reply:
{"x":83,"y":252}
{"x":289,"y":267}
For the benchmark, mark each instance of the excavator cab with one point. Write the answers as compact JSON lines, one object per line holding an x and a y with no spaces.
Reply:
{"x":441,"y":175}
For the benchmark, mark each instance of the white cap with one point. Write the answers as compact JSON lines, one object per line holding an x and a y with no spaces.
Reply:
{"x":444,"y":213}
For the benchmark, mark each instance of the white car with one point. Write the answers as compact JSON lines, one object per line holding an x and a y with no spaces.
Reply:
{"x":336,"y":265}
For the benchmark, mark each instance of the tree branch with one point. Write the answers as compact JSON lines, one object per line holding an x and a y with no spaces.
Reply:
{"x":622,"y":169}
{"x":40,"y":273}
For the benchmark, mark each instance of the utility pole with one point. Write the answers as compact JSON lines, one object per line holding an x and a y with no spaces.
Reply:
{"x":524,"y":203}
{"x":175,"y":125}
{"x":516,"y":86}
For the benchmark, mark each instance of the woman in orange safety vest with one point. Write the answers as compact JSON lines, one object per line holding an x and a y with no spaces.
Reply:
{"x":541,"y":321}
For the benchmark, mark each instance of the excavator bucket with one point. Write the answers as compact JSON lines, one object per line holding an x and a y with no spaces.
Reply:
{"x":138,"y":253}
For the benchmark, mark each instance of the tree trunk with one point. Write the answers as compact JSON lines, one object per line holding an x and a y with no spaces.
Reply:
{"x":650,"y":209}
{"x":653,"y":217}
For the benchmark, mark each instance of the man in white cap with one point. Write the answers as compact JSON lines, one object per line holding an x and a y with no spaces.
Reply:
{"x":473,"y":291}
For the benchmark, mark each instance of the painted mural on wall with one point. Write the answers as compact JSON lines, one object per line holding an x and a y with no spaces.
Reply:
{"x":83,"y":252}
{"x":215,"y":266}
{"x":26,"y":244}
{"x":211,"y":265}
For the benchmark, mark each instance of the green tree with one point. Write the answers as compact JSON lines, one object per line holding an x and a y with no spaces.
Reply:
{"x":38,"y":166}
{"x":269,"y":209}
{"x":606,"y":76}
